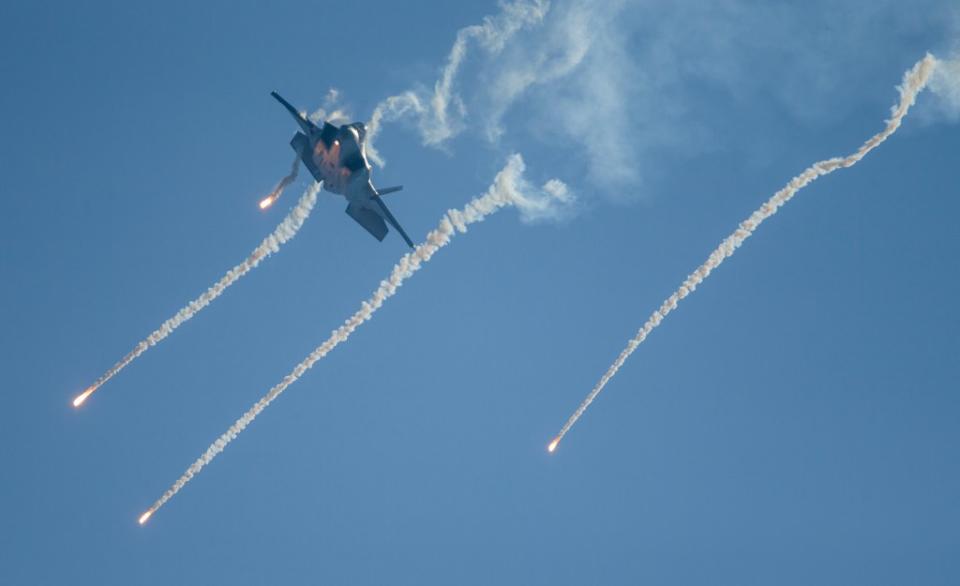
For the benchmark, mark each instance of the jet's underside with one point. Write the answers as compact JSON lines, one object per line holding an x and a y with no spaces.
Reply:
{"x":336,"y":157}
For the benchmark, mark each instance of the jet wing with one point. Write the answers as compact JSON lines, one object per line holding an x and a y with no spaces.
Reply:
{"x":308,"y":127}
{"x":301,"y":144}
{"x":389,"y":217}
{"x":327,"y":134}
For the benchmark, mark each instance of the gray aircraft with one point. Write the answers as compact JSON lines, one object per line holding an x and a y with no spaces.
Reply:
{"x":336,"y":156}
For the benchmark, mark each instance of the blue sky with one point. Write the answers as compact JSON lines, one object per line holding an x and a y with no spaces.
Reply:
{"x":793,"y":422}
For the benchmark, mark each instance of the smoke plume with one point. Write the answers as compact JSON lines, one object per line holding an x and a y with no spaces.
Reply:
{"x":914,"y":81}
{"x":286,"y":230}
{"x":509,"y":188}
{"x":440,"y":114}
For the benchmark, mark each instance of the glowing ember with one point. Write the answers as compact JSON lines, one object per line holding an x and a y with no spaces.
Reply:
{"x":144,"y":517}
{"x":83,"y":397}
{"x":267,"y":202}
{"x":553,"y":445}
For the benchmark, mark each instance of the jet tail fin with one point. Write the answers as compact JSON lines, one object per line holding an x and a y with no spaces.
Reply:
{"x":387,"y":190}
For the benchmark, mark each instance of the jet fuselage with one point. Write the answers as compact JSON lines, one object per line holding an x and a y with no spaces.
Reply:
{"x":336,"y":157}
{"x":339,"y":163}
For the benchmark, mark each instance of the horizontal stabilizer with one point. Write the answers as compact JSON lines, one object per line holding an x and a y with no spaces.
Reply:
{"x":386,"y":190}
{"x":369,"y":219}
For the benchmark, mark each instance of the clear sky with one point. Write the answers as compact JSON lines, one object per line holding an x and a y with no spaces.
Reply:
{"x":794,"y":422}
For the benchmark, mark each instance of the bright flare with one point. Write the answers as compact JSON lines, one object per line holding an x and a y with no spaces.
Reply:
{"x":83,"y":396}
{"x":144,"y":517}
{"x":276,"y":193}
{"x":553,"y":445}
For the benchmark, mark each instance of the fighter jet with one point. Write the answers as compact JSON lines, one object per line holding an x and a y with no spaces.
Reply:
{"x":336,"y":157}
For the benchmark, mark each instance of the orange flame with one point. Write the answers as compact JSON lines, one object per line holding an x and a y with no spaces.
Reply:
{"x":267,"y":201}
{"x":144,"y":517}
{"x":553,"y":445}
{"x":83,"y":396}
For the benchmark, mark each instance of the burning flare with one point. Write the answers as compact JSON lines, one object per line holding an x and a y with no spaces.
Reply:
{"x":553,"y":445}
{"x":145,"y":517}
{"x":278,"y":190}
{"x":83,"y":396}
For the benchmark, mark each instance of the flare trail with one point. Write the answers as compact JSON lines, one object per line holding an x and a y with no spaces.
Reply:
{"x":284,"y":232}
{"x":914,"y":81}
{"x":508,"y":188}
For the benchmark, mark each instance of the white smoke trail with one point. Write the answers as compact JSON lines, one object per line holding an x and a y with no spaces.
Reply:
{"x":945,"y":85}
{"x":330,"y":111}
{"x":287,"y":180}
{"x":508,"y":188}
{"x":914,"y":81}
{"x":433,"y":113}
{"x":286,"y":230}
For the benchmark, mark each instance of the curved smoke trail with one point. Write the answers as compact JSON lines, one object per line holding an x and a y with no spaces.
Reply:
{"x":287,"y":229}
{"x":508,"y":188}
{"x":278,"y":190}
{"x":440,"y":115}
{"x":914,"y":81}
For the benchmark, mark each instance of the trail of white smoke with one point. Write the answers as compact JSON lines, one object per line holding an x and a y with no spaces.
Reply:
{"x":508,"y":188}
{"x":278,"y":190}
{"x":433,"y":112}
{"x":286,"y":230}
{"x":914,"y":81}
{"x":945,"y":85}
